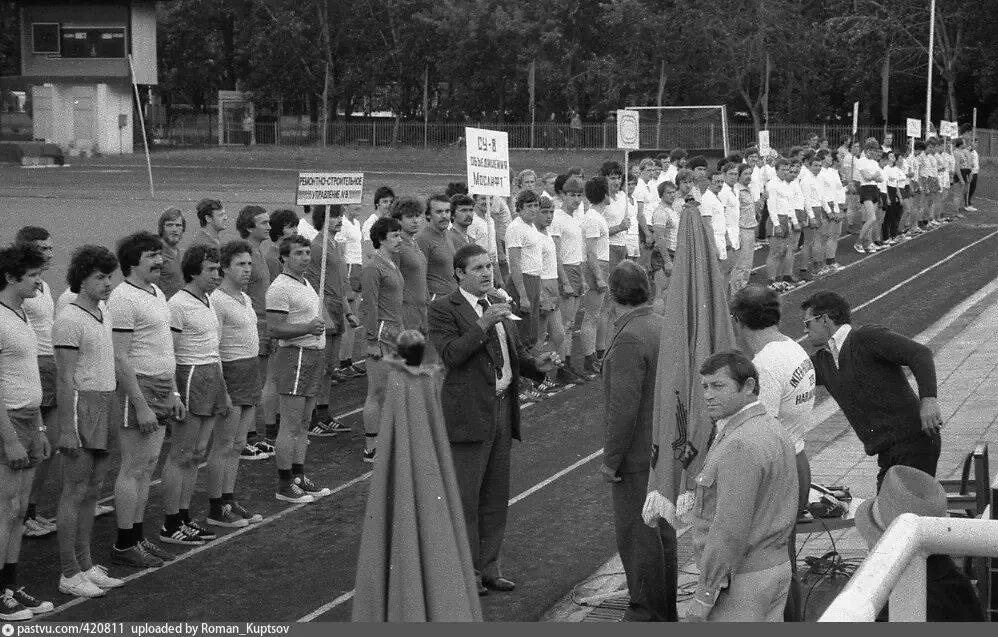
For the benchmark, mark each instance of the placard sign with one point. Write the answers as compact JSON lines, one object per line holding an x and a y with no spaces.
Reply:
{"x":951,"y":129}
{"x":628,"y":130}
{"x":914,"y":128}
{"x":329,"y":188}
{"x":764,"y":146}
{"x":488,"y":162}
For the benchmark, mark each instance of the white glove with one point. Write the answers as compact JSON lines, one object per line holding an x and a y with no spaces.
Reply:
{"x":658,"y":506}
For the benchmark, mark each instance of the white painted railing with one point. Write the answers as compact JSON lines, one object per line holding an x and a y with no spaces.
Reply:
{"x":895,"y":568}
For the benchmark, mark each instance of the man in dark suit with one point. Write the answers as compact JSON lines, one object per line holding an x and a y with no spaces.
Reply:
{"x":629,"y":369}
{"x":478,"y":345}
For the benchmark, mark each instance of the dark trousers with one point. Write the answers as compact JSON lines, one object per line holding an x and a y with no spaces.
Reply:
{"x":648,"y":555}
{"x":972,"y":188}
{"x":920,"y":452}
{"x":530,"y":325}
{"x":482,"y":470}
{"x":761,"y":236}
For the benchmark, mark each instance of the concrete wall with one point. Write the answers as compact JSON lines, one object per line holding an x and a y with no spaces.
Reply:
{"x":84,"y":117}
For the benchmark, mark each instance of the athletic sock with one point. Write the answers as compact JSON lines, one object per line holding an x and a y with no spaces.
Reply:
{"x":138,"y":533}
{"x":31,"y":512}
{"x":251,"y":437}
{"x":600,"y":353}
{"x":271,"y":431}
{"x":8,"y":576}
{"x":322,"y":412}
{"x":346,"y":362}
{"x":284,"y":475}
{"x":172,"y":522}
{"x":215,"y":507}
{"x":297,"y":469}
{"x":124,"y":540}
{"x":228,"y":497}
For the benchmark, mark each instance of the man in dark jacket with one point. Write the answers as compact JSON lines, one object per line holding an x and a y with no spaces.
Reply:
{"x":862,"y":369}
{"x":648,"y":555}
{"x":478,"y":345}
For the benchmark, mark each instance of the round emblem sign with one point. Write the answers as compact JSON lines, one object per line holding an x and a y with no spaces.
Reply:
{"x":627,"y":128}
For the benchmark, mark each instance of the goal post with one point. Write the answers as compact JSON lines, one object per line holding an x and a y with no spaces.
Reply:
{"x":700,"y":130}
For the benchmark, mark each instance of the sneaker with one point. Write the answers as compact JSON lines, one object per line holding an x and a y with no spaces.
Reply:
{"x":79,"y":586}
{"x":157,"y":551}
{"x":291,"y":492}
{"x":357,"y":369}
{"x":101,"y":510}
{"x":838,"y":267}
{"x":179,"y":537}
{"x":970,"y":209}
{"x":347,"y":373}
{"x":267,"y":447}
{"x":35,"y":529}
{"x":240,"y":510}
{"x":12,"y":610}
{"x":858,"y":248}
{"x":195,"y":529}
{"x":49,"y":522}
{"x":337,"y":425}
{"x":549,"y":387}
{"x":229,"y":519}
{"x":98,"y":575}
{"x":309,"y":487}
{"x":321,"y":430}
{"x":251,"y":452}
{"x":369,"y":455}
{"x":36,"y":606}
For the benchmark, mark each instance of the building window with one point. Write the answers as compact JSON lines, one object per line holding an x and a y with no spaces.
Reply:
{"x":93,"y":42}
{"x":45,"y":37}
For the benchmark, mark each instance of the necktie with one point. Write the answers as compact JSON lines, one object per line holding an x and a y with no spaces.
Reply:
{"x":713,"y":434}
{"x":492,"y":342}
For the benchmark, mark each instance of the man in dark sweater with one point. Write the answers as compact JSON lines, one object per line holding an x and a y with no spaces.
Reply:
{"x":862,"y":370}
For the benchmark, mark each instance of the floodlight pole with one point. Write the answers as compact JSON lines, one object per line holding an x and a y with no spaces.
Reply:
{"x":142,"y":124}
{"x":724,"y":130}
{"x":928,"y":81}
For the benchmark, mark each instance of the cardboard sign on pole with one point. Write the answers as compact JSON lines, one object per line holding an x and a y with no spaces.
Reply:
{"x":954,"y":130}
{"x":944,"y":128}
{"x":914,"y":128}
{"x":855,"y":117}
{"x":329,"y":188}
{"x":628,"y":129}
{"x":764,"y":146}
{"x":488,"y":162}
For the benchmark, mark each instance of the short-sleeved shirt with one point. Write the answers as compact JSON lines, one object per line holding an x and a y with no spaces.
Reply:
{"x":594,"y":227}
{"x":237,"y":330}
{"x":482,"y":232}
{"x":872,"y":167}
{"x":633,"y":240}
{"x":336,"y":269}
{"x":297,"y":299}
{"x":19,"y":376}
{"x":307,"y":230}
{"x":667,"y":217}
{"x":90,"y":335}
{"x":567,"y":229}
{"x":786,"y":387}
{"x":439,"y":250}
{"x":365,"y":229}
{"x":412,"y":265}
{"x":350,"y":236}
{"x":614,"y":214}
{"x":146,"y":316}
{"x":171,"y":279}
{"x":549,"y":257}
{"x":528,"y":239}
{"x":41,"y":313}
{"x":258,"y":283}
{"x":196,"y":323}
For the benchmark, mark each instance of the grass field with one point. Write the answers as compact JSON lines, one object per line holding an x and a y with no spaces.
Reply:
{"x":301,"y":562}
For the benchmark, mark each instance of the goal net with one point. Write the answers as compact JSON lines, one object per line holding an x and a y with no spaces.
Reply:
{"x":700,"y":130}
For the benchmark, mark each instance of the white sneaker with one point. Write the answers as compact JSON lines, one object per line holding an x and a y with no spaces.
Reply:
{"x":79,"y":586}
{"x":98,"y":575}
{"x":970,"y":209}
{"x":102,"y":509}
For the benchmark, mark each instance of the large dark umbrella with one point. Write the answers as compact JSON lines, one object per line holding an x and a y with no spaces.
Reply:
{"x":415,"y":561}
{"x":697,"y":324}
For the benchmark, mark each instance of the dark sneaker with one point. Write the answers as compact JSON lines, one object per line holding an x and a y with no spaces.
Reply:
{"x":251,"y":452}
{"x":369,"y":456}
{"x":179,"y":537}
{"x":12,"y":610}
{"x":292,"y":492}
{"x":33,"y":604}
{"x":134,"y":556}
{"x":195,"y":529}
{"x":347,"y":373}
{"x":267,"y":447}
{"x":549,"y":388}
{"x":156,"y":551}
{"x":337,"y":425}
{"x":228,"y":519}
{"x":309,"y":487}
{"x":357,"y":369}
{"x":321,"y":430}
{"x":240,"y":510}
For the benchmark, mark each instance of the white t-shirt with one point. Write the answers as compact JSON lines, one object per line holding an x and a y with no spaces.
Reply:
{"x":365,"y":228}
{"x":567,"y":229}
{"x":861,"y":164}
{"x":614,"y":214}
{"x":238,"y":336}
{"x":549,"y":257}
{"x":350,"y":236}
{"x":41,"y":313}
{"x":528,"y":239}
{"x":729,"y":200}
{"x":147,"y":316}
{"x":90,"y":335}
{"x":894,"y":176}
{"x":668,"y":175}
{"x":482,"y":232}
{"x":196,"y":326}
{"x":19,"y":376}
{"x":306,"y":229}
{"x":297,"y":299}
{"x":786,"y":387}
{"x":594,"y":227}
{"x":668,"y":217}
{"x":830,"y":183}
{"x":711,"y":206}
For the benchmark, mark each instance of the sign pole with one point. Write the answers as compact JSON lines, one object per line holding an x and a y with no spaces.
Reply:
{"x":928,"y":81}
{"x":322,"y":269}
{"x":142,"y":125}
{"x":973,"y":128}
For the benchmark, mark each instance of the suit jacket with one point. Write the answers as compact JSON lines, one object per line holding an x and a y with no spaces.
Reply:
{"x":469,"y":389}
{"x":629,"y":371}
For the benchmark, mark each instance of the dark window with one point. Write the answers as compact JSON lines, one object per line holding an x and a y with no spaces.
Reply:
{"x":93,"y":42}
{"x":45,"y":37}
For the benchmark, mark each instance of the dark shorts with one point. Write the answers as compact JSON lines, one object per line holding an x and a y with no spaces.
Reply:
{"x":336,"y":317}
{"x":92,"y":415}
{"x":157,"y":392}
{"x":574,"y":273}
{"x":265,"y":340}
{"x":47,"y":370}
{"x":354,"y":271}
{"x":617,"y":254}
{"x":531,"y":321}
{"x":299,"y":371}
{"x":591,"y":280}
{"x":906,"y":192}
{"x":657,"y":263}
{"x":26,"y":422}
{"x":869,"y":193}
{"x":549,"y":296}
{"x":414,"y":317}
{"x":242,"y":381}
{"x":202,"y":388}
